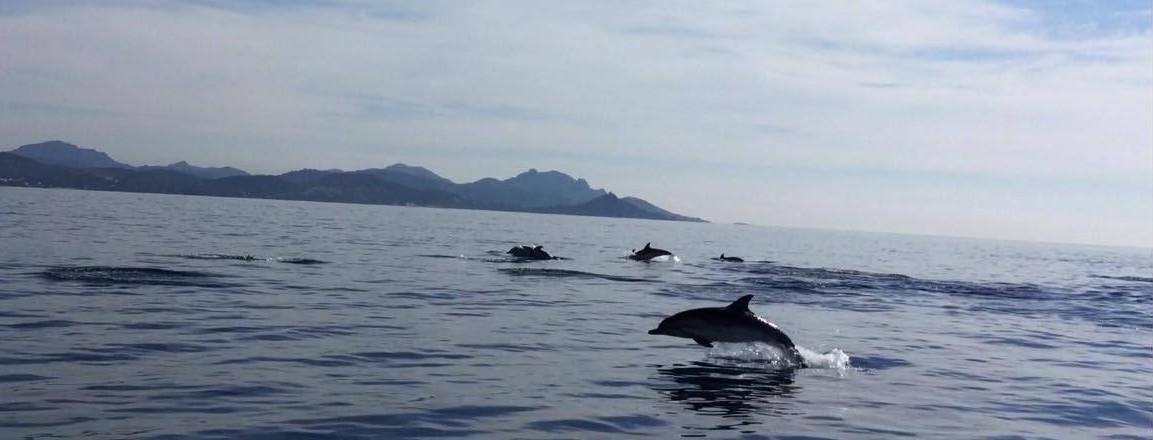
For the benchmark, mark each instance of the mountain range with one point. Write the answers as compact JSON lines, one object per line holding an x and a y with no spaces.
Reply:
{"x":64,"y":165}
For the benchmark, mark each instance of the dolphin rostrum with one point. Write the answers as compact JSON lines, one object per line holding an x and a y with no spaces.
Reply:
{"x":734,"y":323}
{"x":648,"y":253}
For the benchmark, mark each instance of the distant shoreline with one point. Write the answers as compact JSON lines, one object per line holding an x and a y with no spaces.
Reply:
{"x":4,"y":184}
{"x":58,"y":164}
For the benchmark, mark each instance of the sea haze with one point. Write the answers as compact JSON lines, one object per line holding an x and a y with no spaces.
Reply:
{"x":129,"y":315}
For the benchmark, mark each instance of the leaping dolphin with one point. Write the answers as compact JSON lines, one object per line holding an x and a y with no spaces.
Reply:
{"x":734,"y":323}
{"x":648,"y":253}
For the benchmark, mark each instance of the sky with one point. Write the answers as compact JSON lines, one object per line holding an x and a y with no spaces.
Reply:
{"x":1025,"y":120}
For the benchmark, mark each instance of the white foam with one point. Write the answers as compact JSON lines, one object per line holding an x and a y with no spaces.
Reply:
{"x":773,"y":358}
{"x":666,"y":259}
{"x":835,"y":359}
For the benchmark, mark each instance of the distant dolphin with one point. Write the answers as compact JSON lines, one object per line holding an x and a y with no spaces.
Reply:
{"x":531,"y":252}
{"x":648,"y":253}
{"x":731,"y":259}
{"x":734,"y":323}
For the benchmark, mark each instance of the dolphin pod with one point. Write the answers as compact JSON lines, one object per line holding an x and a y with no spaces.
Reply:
{"x":733,"y":323}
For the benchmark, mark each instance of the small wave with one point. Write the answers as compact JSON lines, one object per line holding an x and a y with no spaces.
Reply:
{"x":597,"y":426}
{"x":851,"y":282}
{"x":1118,"y":304}
{"x":288,"y":260}
{"x":4,"y":378}
{"x":1125,"y":278}
{"x":299,"y":260}
{"x":36,"y":325}
{"x":566,"y":273}
{"x":878,"y":362}
{"x":159,"y":347}
{"x":405,"y":356}
{"x":131,"y":275}
{"x":220,"y":257}
{"x":447,"y":257}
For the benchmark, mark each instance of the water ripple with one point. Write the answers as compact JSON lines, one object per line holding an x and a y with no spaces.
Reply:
{"x":566,"y":273}
{"x":107,"y":335}
{"x":133,"y":275}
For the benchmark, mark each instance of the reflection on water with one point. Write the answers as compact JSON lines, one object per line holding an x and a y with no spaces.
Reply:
{"x":735,"y":391}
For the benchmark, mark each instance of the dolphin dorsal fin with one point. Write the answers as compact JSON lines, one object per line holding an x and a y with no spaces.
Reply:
{"x":722,"y":256}
{"x":741,"y":304}
{"x":647,"y":246}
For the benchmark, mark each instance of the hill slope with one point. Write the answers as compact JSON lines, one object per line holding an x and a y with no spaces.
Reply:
{"x":67,"y":155}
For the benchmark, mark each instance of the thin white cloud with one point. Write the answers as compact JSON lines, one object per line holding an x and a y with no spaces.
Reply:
{"x":977,"y":88}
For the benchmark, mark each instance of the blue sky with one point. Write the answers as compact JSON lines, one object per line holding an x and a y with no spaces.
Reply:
{"x":1015,"y":119}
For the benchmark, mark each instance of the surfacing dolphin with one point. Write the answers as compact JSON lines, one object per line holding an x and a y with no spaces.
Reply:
{"x":530,"y":252}
{"x":731,"y":259}
{"x":648,"y":253}
{"x":734,"y":323}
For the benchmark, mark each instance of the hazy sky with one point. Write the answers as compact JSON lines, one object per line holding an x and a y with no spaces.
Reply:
{"x":1015,"y":119}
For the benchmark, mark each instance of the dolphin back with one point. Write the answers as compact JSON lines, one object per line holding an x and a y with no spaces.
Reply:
{"x":648,"y":252}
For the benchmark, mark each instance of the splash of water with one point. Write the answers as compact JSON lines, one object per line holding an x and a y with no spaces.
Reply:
{"x":769,"y":356}
{"x":835,"y":359}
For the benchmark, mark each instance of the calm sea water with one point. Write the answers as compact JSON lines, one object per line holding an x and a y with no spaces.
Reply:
{"x":152,"y":316}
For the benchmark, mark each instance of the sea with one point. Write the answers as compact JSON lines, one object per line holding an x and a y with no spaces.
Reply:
{"x":146,"y":316}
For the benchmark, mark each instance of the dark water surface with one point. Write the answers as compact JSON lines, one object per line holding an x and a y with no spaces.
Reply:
{"x":152,"y":316}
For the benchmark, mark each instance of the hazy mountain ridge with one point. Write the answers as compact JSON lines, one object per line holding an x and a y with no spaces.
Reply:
{"x":609,"y":205}
{"x":645,"y":205}
{"x":530,"y":190}
{"x":69,"y":166}
{"x":68,"y":155}
{"x":205,"y":172}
